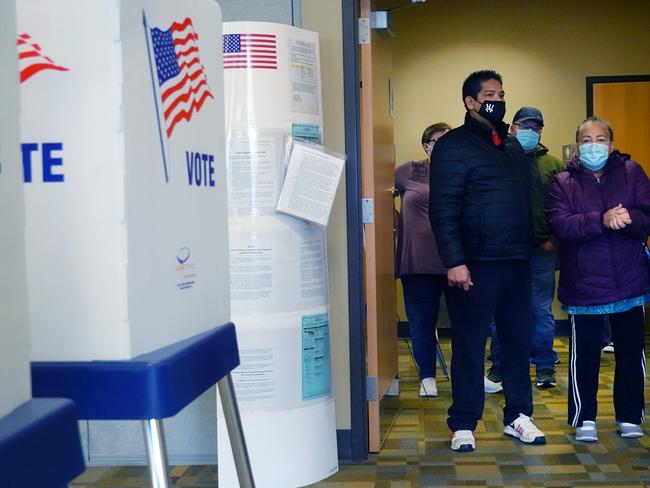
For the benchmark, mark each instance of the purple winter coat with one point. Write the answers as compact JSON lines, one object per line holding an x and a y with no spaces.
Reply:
{"x":599,"y":265}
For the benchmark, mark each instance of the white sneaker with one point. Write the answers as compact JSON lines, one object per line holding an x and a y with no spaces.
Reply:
{"x":393,"y":388}
{"x":428,"y":387}
{"x":462,"y":441}
{"x":587,"y":431}
{"x":628,"y":430}
{"x":524,"y":429}
{"x":491,"y":386}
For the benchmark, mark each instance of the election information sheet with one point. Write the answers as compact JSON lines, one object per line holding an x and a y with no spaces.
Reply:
{"x":310,"y":183}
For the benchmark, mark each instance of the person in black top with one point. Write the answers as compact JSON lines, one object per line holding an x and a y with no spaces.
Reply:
{"x":480,"y":213}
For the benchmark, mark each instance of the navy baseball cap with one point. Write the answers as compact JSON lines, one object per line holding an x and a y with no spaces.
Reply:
{"x":528,"y":113}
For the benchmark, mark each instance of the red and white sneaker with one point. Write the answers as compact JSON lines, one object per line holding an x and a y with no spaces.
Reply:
{"x":524,"y":429}
{"x":462,"y":441}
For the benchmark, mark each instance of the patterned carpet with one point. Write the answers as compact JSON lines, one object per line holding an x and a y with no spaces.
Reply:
{"x":416,"y":450}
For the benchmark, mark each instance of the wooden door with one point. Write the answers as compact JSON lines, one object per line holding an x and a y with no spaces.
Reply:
{"x":378,"y":167}
{"x":626,"y":105}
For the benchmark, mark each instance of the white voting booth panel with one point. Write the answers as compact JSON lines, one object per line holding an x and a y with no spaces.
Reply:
{"x":125,"y":175}
{"x":14,"y":326}
{"x":278,"y":264}
{"x":127,"y":243}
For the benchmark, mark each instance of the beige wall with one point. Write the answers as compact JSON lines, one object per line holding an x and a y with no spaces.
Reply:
{"x":324,"y":17}
{"x":544,"y":50}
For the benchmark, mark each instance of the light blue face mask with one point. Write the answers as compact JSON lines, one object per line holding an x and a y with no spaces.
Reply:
{"x":593,"y":156}
{"x":528,"y":139}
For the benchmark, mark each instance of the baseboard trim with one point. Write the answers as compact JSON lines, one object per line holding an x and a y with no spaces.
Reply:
{"x":344,"y":443}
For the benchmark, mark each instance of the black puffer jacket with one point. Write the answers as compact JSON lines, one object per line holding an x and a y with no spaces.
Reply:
{"x":479,"y":203}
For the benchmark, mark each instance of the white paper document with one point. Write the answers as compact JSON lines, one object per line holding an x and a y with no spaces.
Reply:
{"x":310,"y":184}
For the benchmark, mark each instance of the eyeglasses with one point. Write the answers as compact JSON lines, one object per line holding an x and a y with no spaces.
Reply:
{"x":524,"y":125}
{"x":434,"y":140}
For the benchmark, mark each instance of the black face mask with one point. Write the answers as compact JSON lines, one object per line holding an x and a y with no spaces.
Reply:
{"x":493,"y":111}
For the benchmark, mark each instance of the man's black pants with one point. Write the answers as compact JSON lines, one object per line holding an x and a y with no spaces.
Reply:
{"x":501,"y":289}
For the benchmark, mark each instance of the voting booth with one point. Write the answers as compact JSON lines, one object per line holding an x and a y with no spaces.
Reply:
{"x":278,"y":263}
{"x":14,"y":325}
{"x":39,"y":438}
{"x":123,"y":154}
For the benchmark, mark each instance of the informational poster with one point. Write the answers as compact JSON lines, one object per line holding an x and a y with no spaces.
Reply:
{"x":254,"y":174}
{"x":304,"y":76}
{"x":277,"y":264}
{"x":310,"y":183}
{"x":306,"y":132}
{"x":316,"y":367}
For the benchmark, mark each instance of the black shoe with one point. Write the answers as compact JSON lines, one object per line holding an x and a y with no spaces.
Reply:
{"x":545,"y":378}
{"x":494,"y":374}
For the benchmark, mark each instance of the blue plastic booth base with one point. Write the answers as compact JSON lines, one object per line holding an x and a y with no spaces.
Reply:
{"x":40,"y":445}
{"x":151,"y":387}
{"x":155,"y":385}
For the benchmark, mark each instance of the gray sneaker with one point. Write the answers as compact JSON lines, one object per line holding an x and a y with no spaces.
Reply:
{"x":494,"y":374}
{"x":545,"y":378}
{"x":587,"y":432}
{"x":629,"y":431}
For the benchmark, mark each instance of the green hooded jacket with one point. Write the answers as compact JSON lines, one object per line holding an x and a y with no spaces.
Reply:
{"x":543,"y":172}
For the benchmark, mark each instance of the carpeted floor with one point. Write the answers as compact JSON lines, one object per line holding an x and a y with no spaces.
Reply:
{"x":416,"y":450}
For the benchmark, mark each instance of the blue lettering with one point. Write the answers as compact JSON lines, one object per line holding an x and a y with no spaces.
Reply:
{"x":197,"y":168}
{"x":200,"y":169}
{"x":27,"y":149}
{"x":188,"y":158}
{"x":211,"y":159}
{"x":49,"y":161}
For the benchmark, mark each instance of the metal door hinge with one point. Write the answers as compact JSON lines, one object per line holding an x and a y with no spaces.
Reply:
{"x":371,"y":388}
{"x":364,"y":30}
{"x":368,"y":210}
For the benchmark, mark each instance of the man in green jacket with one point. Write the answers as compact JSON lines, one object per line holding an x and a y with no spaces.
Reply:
{"x":527,"y":126}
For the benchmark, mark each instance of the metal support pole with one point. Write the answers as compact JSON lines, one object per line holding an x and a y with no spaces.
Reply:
{"x":235,"y":432}
{"x":154,"y":439}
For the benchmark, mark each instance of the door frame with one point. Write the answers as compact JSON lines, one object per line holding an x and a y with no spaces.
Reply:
{"x":358,"y":442}
{"x":593,"y":80}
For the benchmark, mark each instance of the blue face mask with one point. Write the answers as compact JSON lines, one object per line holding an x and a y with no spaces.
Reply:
{"x":593,"y":156}
{"x":528,"y":139}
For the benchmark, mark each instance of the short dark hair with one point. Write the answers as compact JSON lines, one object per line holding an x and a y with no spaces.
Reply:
{"x":472,"y":84}
{"x":432,"y":129}
{"x":597,"y":120}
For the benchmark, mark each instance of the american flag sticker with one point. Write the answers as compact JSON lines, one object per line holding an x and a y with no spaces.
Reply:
{"x":182,"y":82}
{"x":256,"y":51}
{"x":31,"y":58}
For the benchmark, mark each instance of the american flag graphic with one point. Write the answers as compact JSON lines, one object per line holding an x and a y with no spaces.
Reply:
{"x":181,"y":76}
{"x":258,"y":51}
{"x":31,"y":58}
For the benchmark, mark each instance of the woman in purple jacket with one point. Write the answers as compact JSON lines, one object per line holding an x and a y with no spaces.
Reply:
{"x":417,"y":262}
{"x":598,"y":208}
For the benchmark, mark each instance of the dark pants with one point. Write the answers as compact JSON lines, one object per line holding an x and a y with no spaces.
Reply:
{"x":584,"y":365}
{"x":421,"y":299}
{"x":542,"y":273}
{"x":501,"y":289}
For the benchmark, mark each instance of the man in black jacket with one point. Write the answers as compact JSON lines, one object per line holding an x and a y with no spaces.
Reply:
{"x":480,"y":213}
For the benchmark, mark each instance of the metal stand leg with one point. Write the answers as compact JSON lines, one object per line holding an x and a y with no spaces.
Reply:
{"x":235,"y":432}
{"x":154,"y":439}
{"x":441,"y":361}
{"x":441,"y":357}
